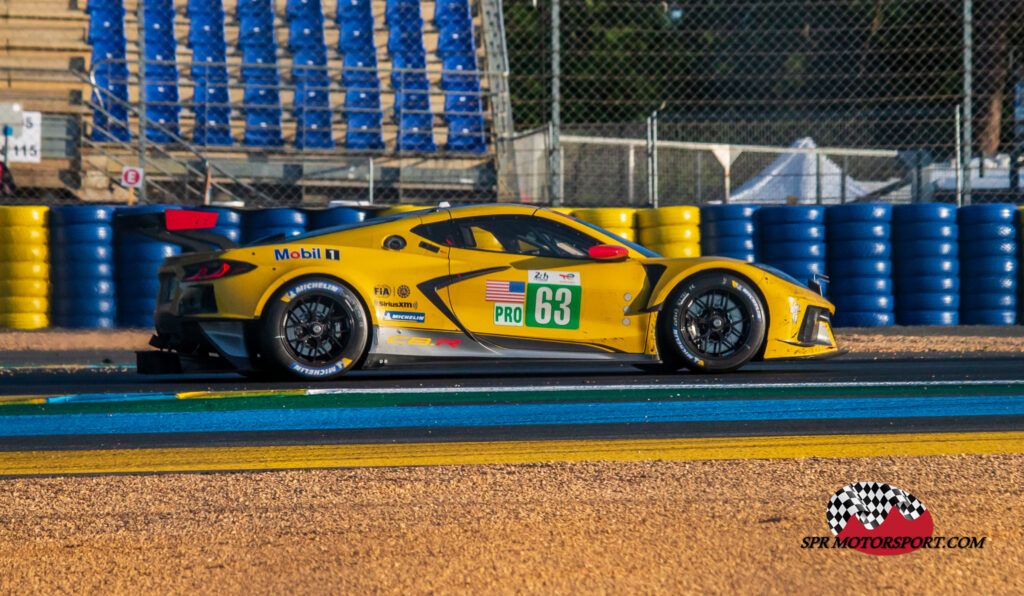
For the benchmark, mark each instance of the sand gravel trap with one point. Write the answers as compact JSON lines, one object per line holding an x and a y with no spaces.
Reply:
{"x":56,"y":340}
{"x":667,"y":527}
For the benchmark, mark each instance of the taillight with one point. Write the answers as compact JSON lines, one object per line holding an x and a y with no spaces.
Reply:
{"x":215,"y":270}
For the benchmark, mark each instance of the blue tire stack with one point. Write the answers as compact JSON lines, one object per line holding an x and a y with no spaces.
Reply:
{"x":729,"y":231}
{"x":82,"y":267}
{"x":229,"y":223}
{"x":268,"y":222}
{"x":860,"y":264}
{"x":926,"y":267}
{"x":988,"y":264}
{"x":136,"y":260}
{"x":793,"y":240}
{"x":335,"y":216}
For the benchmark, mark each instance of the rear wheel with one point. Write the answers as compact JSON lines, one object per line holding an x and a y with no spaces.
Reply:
{"x":315,"y":328}
{"x":712,"y":322}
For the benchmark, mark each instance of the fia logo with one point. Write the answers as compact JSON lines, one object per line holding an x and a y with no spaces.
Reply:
{"x":540,"y":276}
{"x":382,"y":291}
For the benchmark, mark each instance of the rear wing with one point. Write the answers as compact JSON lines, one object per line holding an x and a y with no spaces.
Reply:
{"x":187,"y":229}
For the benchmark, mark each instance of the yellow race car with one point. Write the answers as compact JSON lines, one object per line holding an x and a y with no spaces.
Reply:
{"x":487,"y":282}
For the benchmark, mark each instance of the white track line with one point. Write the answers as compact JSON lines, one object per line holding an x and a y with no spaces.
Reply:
{"x":647,"y":387}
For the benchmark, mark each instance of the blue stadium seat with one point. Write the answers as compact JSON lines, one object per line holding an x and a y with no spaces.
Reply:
{"x":356,"y":36}
{"x":195,"y":7}
{"x":305,"y":32}
{"x":107,"y":130}
{"x":263,"y":128}
{"x":206,"y":28}
{"x":406,"y":38}
{"x":104,"y":5}
{"x":218,"y":95}
{"x":258,"y":98}
{"x":450,"y":11}
{"x":416,"y":133}
{"x":163,"y":71}
{"x":254,"y":8}
{"x":403,"y":79}
{"x":106,"y":26}
{"x":159,"y":27}
{"x":466,"y":135}
{"x":461,"y":104}
{"x":349,"y":10}
{"x":256,"y":29}
{"x":310,"y":57}
{"x":209,"y":53}
{"x":313,"y":138}
{"x":114,"y":50}
{"x":455,"y":39}
{"x":254,"y":57}
{"x":451,"y":80}
{"x":362,"y":102}
{"x":158,"y":93}
{"x":108,"y":63}
{"x":396,"y":10}
{"x":364,"y":132}
{"x":304,"y":8}
{"x":314,"y":97}
{"x":167,"y":117}
{"x":213,"y":132}
{"x":315,"y":118}
{"x":411,"y":102}
{"x":356,"y":71}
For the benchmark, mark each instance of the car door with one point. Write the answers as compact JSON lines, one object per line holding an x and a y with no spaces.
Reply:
{"x":527,"y":283}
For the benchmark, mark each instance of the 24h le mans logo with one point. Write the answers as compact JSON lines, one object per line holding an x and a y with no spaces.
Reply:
{"x":878,"y":519}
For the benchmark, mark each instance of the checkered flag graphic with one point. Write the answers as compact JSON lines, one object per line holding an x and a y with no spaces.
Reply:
{"x":871,"y":502}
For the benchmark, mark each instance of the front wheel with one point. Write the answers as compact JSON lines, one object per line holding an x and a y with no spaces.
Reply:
{"x":315,"y":328}
{"x":713,"y":322}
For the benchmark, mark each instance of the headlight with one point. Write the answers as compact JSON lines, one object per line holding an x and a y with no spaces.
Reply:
{"x":817,"y":327}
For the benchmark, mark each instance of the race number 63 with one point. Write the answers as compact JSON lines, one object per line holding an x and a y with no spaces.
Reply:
{"x":553,"y":306}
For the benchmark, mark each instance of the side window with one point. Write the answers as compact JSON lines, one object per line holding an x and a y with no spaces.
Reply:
{"x":524,"y":235}
{"x":438,"y":232}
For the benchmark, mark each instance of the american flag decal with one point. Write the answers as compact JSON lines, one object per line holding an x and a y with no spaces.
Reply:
{"x":506,"y":291}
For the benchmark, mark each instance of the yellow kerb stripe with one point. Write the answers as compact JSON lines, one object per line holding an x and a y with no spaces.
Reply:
{"x":418,"y":454}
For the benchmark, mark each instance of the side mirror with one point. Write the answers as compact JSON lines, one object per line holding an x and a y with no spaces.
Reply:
{"x":607,"y":252}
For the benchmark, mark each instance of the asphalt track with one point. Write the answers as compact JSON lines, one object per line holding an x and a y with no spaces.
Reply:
{"x":108,"y":420}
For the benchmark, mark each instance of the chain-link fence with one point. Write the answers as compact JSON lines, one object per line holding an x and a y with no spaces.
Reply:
{"x":696,"y":99}
{"x":843,"y":74}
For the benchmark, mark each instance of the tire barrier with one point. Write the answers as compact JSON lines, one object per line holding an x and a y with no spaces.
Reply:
{"x":926,"y":264}
{"x":859,"y":236}
{"x":988,"y":261}
{"x":335,"y":216}
{"x":793,"y":239}
{"x":670,"y":231}
{"x":729,"y":231}
{"x":24,"y":267}
{"x":620,"y":222}
{"x":229,"y":223}
{"x":136,"y":261}
{"x":396,"y":209}
{"x":82,"y":274}
{"x":269,"y":222}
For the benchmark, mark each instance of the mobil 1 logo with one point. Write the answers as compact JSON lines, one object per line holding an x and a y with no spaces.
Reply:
{"x":553,"y":299}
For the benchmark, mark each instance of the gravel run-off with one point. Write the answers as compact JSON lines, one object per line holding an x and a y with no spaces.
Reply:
{"x":666,"y":527}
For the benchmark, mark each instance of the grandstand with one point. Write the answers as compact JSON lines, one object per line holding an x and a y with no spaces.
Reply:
{"x":263,"y":100}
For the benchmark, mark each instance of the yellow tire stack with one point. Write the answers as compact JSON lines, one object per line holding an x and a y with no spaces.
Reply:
{"x":24,"y":267}
{"x":670,"y":231}
{"x":621,"y":222}
{"x":395,"y":209}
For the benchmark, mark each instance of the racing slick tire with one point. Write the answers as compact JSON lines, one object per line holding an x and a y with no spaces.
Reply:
{"x":315,"y":328}
{"x":714,"y":322}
